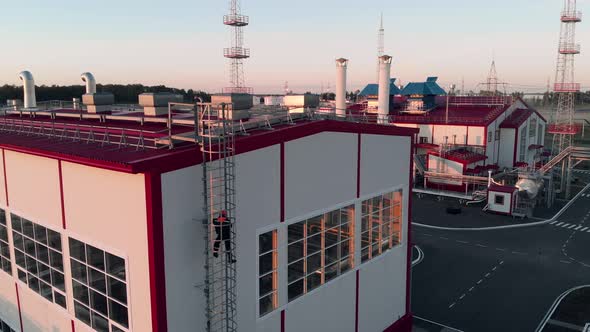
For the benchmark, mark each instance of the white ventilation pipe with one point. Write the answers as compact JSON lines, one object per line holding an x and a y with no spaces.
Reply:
{"x":341,"y":66}
{"x":384,"y":92}
{"x":29,"y":89}
{"x":88,"y":78}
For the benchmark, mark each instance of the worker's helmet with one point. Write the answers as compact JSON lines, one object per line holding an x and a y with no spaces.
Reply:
{"x":223,"y":213}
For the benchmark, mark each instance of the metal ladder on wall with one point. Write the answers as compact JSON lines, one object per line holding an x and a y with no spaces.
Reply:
{"x":217,"y":137}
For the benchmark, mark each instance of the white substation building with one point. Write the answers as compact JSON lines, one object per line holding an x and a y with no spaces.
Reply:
{"x":110,"y":219}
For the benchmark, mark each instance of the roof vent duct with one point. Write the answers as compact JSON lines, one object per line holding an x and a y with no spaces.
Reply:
{"x":341,"y":66}
{"x":88,"y":78}
{"x":384,"y":89}
{"x":29,"y":89}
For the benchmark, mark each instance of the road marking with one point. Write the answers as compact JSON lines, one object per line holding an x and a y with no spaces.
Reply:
{"x":553,"y":222}
{"x":578,"y":227}
{"x":464,"y":242}
{"x":487,"y":274}
{"x":481,"y":245}
{"x":565,"y":225}
{"x":584,"y":229}
{"x":470,"y":289}
{"x":494,"y":269}
{"x":480,"y":281}
{"x":501,"y":262}
{"x":462,"y":296}
{"x":565,"y":262}
{"x":444,"y":238}
{"x":519,"y":253}
{"x":572,"y":226}
{"x":500,"y":249}
{"x":561,"y":223}
{"x":452,"y":305}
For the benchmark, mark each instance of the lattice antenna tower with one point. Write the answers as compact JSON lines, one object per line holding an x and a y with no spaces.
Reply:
{"x":380,"y":43}
{"x":565,"y":86}
{"x":492,"y":80}
{"x":237,"y":53}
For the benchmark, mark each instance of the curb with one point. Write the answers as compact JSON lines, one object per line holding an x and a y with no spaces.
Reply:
{"x":539,"y":223}
{"x":554,"y":306}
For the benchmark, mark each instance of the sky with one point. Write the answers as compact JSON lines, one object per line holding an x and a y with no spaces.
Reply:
{"x":180,"y":43}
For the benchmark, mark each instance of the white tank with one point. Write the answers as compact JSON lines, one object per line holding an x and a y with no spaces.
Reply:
{"x":384,"y":82}
{"x":30,"y":100}
{"x":88,"y":78}
{"x":341,"y":66}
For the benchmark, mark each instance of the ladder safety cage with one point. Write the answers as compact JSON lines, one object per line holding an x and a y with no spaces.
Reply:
{"x":216,"y":135}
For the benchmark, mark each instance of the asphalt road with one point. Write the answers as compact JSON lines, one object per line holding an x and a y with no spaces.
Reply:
{"x":500,"y":280}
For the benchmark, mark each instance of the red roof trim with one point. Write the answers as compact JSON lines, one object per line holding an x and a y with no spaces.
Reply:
{"x":456,"y":158}
{"x":517,"y":118}
{"x":189,"y":156}
{"x":502,"y":189}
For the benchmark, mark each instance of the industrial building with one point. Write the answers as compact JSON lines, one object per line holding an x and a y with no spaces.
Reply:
{"x":109,"y":218}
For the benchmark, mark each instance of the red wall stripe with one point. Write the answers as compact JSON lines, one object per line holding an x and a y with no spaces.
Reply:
{"x":73,"y":326}
{"x":155,"y":234}
{"x":5,"y":177}
{"x":20,"y":315}
{"x":409,"y":234}
{"x":282,"y":182}
{"x":356,"y":304}
{"x":283,"y":321}
{"x":358,"y":167}
{"x":61,"y":196}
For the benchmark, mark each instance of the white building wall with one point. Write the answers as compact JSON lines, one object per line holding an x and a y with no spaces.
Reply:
{"x":33,"y":188}
{"x":442,"y":131}
{"x":184,"y":246}
{"x":107,"y":209}
{"x":8,"y":302}
{"x":505,"y":208}
{"x":2,"y":183}
{"x":475,"y":136}
{"x":325,"y":162}
{"x":507,"y":137}
{"x":441,"y":165}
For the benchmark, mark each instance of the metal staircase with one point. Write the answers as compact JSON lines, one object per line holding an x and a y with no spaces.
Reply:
{"x":217,"y":138}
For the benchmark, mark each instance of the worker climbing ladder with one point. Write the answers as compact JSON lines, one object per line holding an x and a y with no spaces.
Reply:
{"x":216,"y":134}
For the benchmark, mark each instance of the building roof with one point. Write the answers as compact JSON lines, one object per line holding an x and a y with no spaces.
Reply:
{"x":462,"y":156}
{"x":373,"y":89}
{"x":518,"y":117}
{"x":428,"y":88}
{"x":474,"y":115}
{"x":502,"y":189}
{"x":104,"y":151}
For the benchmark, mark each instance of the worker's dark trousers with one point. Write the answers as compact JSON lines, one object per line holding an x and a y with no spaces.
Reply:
{"x":226,"y":240}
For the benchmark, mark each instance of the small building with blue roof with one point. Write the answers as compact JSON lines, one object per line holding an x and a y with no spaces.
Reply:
{"x":421,"y":96}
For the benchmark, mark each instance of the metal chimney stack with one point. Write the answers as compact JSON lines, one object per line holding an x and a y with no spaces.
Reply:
{"x":341,"y":66}
{"x":384,"y":91}
{"x":29,"y":89}
{"x":88,"y":78}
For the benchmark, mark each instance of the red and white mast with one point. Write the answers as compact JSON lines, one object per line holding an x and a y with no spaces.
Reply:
{"x":237,"y":53}
{"x":562,"y":125}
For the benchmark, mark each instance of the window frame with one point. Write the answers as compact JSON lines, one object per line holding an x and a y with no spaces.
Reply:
{"x":502,"y":200}
{"x":107,"y":250}
{"x":14,"y":248}
{"x":400,"y":241}
{"x":275,"y":271}
{"x":284,"y":282}
{"x":523,"y":136}
{"x":7,"y":243}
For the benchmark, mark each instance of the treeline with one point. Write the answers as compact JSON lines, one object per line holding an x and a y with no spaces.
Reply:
{"x":124,"y":94}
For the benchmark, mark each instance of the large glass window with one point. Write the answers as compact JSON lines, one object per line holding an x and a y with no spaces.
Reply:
{"x":381,"y":224}
{"x":540,"y":134}
{"x":4,"y":327}
{"x":319,"y":249}
{"x":533,"y":127}
{"x":100,"y":287}
{"x":267,"y":274}
{"x":5,"y":263}
{"x":39,"y":260}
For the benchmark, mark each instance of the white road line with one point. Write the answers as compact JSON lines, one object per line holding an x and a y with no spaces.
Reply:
{"x":462,"y":297}
{"x":572,"y":226}
{"x":566,"y":262}
{"x":470,"y":289}
{"x":501,"y":262}
{"x":494,"y":269}
{"x":584,"y":229}
{"x":553,"y":222}
{"x":519,"y":253}
{"x":561,"y":223}
{"x":480,"y":281}
{"x":500,"y":249}
{"x":444,"y":238}
{"x":452,"y":305}
{"x":464,"y":242}
{"x":487,"y":275}
{"x":578,"y":227}
{"x":565,"y":225}
{"x":481,"y":245}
